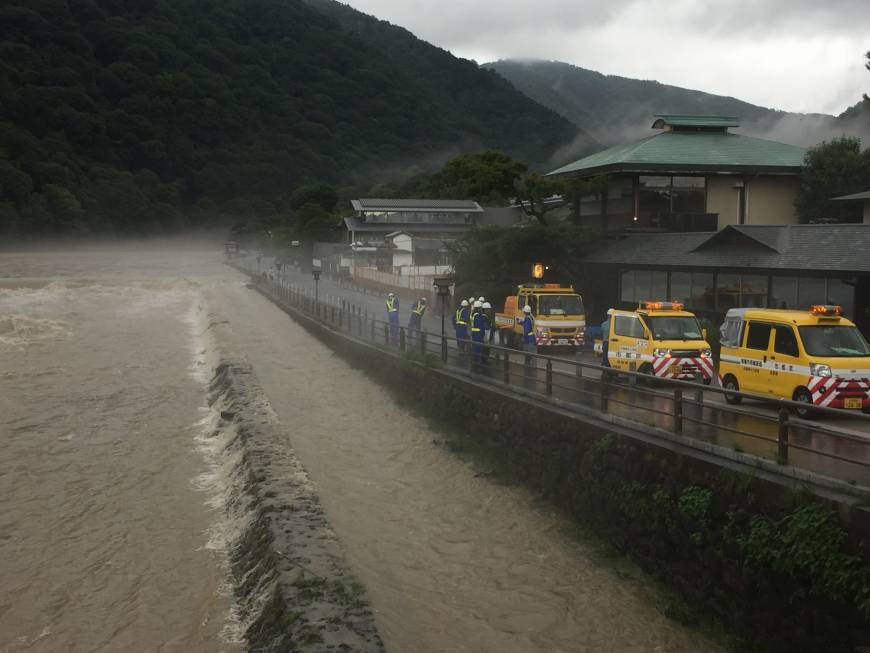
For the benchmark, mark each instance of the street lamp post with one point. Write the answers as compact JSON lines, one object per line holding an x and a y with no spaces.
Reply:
{"x":442,"y":287}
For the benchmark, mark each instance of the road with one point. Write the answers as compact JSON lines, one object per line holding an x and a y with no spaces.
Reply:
{"x":826,"y":446}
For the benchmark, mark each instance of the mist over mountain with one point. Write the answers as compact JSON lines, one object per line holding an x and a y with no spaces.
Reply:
{"x":143,"y":115}
{"x":618,"y":109}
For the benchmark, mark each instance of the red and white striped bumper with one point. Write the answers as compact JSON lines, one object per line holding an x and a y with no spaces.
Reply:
{"x":683,"y":369}
{"x":832,"y":392}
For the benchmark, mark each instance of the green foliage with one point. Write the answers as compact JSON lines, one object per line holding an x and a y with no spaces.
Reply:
{"x":230,"y":105}
{"x":322,"y":195}
{"x":488,"y":177}
{"x":809,"y":544}
{"x":493,"y":260}
{"x":831,"y":170}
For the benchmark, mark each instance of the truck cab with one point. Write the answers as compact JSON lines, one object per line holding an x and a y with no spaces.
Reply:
{"x":659,"y":339}
{"x":817,"y":357}
{"x":558,"y":313}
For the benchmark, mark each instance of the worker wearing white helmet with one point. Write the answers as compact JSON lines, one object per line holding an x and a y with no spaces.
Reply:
{"x":481,"y":299}
{"x":488,"y":330}
{"x":461,"y":319}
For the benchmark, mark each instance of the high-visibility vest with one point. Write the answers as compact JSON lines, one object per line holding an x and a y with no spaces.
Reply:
{"x":391,"y":306}
{"x":419,"y":308}
{"x":476,"y":323}
{"x":461,"y":320}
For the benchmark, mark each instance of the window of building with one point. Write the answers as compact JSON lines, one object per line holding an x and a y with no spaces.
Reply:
{"x":740,"y":290}
{"x":727,"y":291}
{"x":811,"y":290}
{"x":841,"y":292}
{"x":638,"y":285}
{"x":654,"y":194}
{"x":784,"y":340}
{"x":665,"y":194}
{"x":783,"y":292}
{"x":759,"y":335}
{"x":688,"y":195}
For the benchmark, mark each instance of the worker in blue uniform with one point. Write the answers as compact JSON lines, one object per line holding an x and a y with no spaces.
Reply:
{"x":529,"y":344}
{"x":478,"y":327}
{"x":415,"y":322}
{"x":393,"y":317}
{"x":460,"y":324}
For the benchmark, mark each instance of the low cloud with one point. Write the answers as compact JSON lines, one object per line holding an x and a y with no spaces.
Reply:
{"x":795,"y":55}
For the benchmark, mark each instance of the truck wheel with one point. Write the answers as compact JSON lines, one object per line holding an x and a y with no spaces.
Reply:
{"x":730,"y":383}
{"x":803,"y":396}
{"x":647,"y":369}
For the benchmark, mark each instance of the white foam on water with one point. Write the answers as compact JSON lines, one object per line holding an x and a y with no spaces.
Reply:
{"x":18,"y":330}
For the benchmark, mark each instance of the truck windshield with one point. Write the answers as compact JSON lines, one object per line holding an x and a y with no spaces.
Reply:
{"x":560,"y":305}
{"x":673,"y":327}
{"x":835,"y":341}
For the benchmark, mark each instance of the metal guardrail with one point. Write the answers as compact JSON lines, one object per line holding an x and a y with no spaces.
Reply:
{"x":663,"y":404}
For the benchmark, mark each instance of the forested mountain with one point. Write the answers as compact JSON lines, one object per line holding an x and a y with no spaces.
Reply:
{"x":618,"y":109}
{"x":137,"y":115}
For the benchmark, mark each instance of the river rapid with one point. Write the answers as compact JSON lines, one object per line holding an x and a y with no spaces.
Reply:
{"x":112,"y":533}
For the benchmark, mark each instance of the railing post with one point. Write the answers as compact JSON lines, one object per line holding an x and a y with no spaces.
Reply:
{"x":422,"y":342}
{"x":402,"y":338}
{"x":444,"y":349}
{"x":507,"y":367}
{"x":386,"y":334}
{"x":699,"y":394}
{"x":678,"y":410}
{"x":782,"y":437}
{"x":632,"y":367}
{"x":549,"y":377}
{"x":605,"y":388}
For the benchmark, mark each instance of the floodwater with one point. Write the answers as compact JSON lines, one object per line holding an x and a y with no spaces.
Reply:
{"x":108,"y":531}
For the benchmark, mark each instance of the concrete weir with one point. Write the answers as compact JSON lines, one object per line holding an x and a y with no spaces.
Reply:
{"x":777,"y":561}
{"x":292,"y":585}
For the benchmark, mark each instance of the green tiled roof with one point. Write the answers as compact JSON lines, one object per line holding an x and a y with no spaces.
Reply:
{"x":698,"y":151}
{"x":673,"y":120}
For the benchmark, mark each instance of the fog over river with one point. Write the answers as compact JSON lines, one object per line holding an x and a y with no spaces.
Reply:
{"x":112,"y":528}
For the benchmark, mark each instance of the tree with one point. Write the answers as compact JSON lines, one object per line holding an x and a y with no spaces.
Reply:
{"x":831,"y":170}
{"x":487,"y":176}
{"x":539,"y":195}
{"x":576,"y":189}
{"x":322,"y":195}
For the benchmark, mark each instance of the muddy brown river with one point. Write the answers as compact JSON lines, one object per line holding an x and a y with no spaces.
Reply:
{"x":111,"y":537}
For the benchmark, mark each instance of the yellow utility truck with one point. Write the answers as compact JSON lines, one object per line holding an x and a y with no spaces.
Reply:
{"x":558,"y":314}
{"x":660,"y":339}
{"x":816,"y":357}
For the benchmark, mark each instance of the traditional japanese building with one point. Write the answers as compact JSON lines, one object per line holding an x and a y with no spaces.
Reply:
{"x":694,"y":175}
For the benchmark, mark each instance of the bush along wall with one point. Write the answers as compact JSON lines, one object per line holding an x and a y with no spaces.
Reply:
{"x":777,"y":567}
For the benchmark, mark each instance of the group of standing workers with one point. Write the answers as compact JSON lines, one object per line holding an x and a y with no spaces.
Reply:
{"x":474,"y":317}
{"x":415,"y":323}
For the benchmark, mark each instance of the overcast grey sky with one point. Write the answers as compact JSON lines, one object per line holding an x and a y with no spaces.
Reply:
{"x":796,"y":55}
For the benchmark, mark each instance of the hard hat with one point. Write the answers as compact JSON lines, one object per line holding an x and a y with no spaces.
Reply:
{"x":481,"y":299}
{"x":487,"y":305}
{"x":610,"y":311}
{"x":471,"y":300}
{"x":464,"y":302}
{"x":391,"y":295}
{"x":423,"y":300}
{"x":478,"y":304}
{"x":527,"y":309}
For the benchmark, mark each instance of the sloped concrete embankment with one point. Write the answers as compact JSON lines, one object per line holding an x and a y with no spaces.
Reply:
{"x":293,"y":589}
{"x":780,"y":567}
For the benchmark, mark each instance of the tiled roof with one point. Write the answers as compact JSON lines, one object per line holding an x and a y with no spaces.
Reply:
{"x":356,"y":224}
{"x":692,"y":151}
{"x":856,"y":196}
{"x":673,"y":120}
{"x":414,"y":205}
{"x":827,"y":248}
